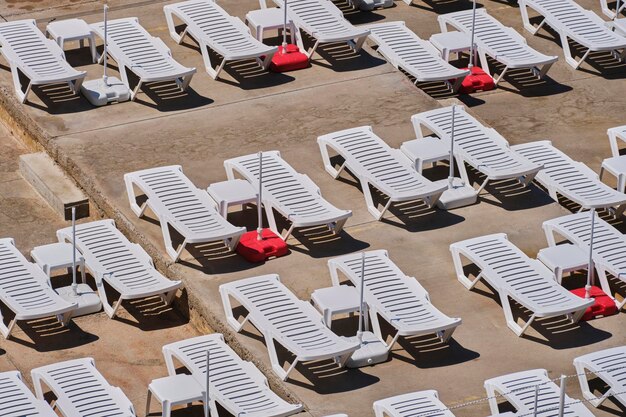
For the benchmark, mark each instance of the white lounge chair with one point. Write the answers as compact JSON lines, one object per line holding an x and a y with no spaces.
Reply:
{"x":420,"y":403}
{"x":324,"y":22}
{"x":292,"y":194}
{"x":213,"y":28}
{"x":125,"y":266}
{"x":25,"y":290}
{"x":573,"y":22}
{"x":235,"y":384}
{"x":604,"y":4}
{"x":501,"y":43}
{"x":515,"y":276}
{"x":81,"y":390}
{"x":406,"y":51}
{"x":609,"y":245}
{"x":610,"y":366}
{"x":519,"y":390}
{"x":135,"y":50}
{"x":572,"y":179}
{"x":480,"y":147}
{"x":178,"y":203}
{"x":16,"y":400}
{"x":41,"y":60}
{"x":397,"y":298}
{"x":284,"y":319}
{"x":375,"y":163}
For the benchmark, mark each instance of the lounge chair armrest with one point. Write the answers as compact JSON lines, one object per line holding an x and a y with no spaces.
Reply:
{"x":160,"y":44}
{"x":55,"y":48}
{"x":141,"y":253}
{"x":255,"y":373}
{"x":498,"y":137}
{"x":587,"y":171}
{"x":237,"y":22}
{"x":515,"y":34}
{"x":310,"y":184}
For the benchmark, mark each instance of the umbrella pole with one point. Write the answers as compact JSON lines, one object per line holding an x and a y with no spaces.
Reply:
{"x":259,"y":229}
{"x":74,"y":284}
{"x":451,"y":174}
{"x":285,"y":28}
{"x":208,"y":379}
{"x":590,"y":265}
{"x":471,"y":59}
{"x":359,"y":333}
{"x":104,"y":52}
{"x":616,"y":10}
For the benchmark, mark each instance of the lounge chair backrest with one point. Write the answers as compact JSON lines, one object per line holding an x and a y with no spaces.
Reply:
{"x":16,"y":400}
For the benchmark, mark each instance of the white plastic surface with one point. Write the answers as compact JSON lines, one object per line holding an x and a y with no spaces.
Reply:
{"x":99,"y":93}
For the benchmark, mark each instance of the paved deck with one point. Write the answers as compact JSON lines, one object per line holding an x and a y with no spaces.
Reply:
{"x":243,"y":114}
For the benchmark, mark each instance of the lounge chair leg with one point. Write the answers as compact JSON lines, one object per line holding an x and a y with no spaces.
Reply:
{"x":286,"y":236}
{"x":501,"y":76}
{"x":446,"y":334}
{"x":460,"y":275}
{"x":482,"y":186}
{"x":543,"y":71}
{"x":132,"y":198}
{"x":510,"y":320}
{"x":311,"y":51}
{"x":359,"y":43}
{"x":526,"y":20}
{"x":267,"y":61}
{"x":228,"y":311}
{"x":393,"y":342}
{"x":148,"y":401}
{"x":4,"y":329}
{"x":135,"y":91}
{"x":339,"y":226}
{"x":581,"y":371}
{"x":172,"y":29}
{"x":271,"y":348}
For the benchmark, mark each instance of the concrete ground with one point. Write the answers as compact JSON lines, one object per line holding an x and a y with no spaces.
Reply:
{"x":249,"y":111}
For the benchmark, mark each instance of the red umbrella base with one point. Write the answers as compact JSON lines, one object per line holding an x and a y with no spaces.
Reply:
{"x":290,"y":60}
{"x":254,"y":250}
{"x":604,"y":305}
{"x":477,"y":80}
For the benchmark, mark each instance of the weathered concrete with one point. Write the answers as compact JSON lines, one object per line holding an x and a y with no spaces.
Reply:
{"x":218,"y":120}
{"x":50,"y":181}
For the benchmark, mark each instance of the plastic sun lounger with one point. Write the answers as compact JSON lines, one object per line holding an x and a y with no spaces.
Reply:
{"x":519,"y":390}
{"x":480,"y":147}
{"x":125,"y":266}
{"x":41,"y":60}
{"x":501,"y":43}
{"x":420,"y":403}
{"x":324,"y":22}
{"x":282,"y":318}
{"x":571,"y":21}
{"x":610,"y":366}
{"x":572,"y":179}
{"x":514,"y":275}
{"x":81,"y":390}
{"x":375,"y":163}
{"x":25,"y":290}
{"x":213,"y":28}
{"x":403,"y":49}
{"x":235,"y":384}
{"x":135,"y":50}
{"x":604,"y":4}
{"x":609,"y":245}
{"x":16,"y":400}
{"x":178,"y":203}
{"x":292,"y":194}
{"x":397,"y":298}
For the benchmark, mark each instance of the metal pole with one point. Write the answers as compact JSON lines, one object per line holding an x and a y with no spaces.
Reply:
{"x":259,"y":230}
{"x":208,"y":379}
{"x":471,"y":59}
{"x":359,"y":333}
{"x":616,"y":10}
{"x":106,"y":37}
{"x":74,"y":284}
{"x":562,"y":397}
{"x":536,"y":400}
{"x":590,"y":265}
{"x":285,"y":28}
{"x":451,"y":175}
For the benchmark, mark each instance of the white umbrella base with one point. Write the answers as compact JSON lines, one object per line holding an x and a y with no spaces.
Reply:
{"x":100,"y":94}
{"x":459,"y":195}
{"x":372,"y":351}
{"x":86,"y":298}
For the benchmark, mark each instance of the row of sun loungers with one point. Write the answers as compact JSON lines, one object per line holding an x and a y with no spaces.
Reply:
{"x":240,"y":388}
{"x":134,"y":49}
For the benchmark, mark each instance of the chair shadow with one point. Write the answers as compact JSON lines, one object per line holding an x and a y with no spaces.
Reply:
{"x":511,"y":195}
{"x":429,"y":352}
{"x":48,"y":335}
{"x":443,"y":6}
{"x":610,"y":406}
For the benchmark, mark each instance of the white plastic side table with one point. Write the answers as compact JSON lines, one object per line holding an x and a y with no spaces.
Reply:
{"x":616,"y":133}
{"x":55,"y":256}
{"x":617,"y":167}
{"x":232,"y":193}
{"x":428,"y":150}
{"x":175,"y":390}
{"x":270,"y":19}
{"x":564,"y":258}
{"x":451,"y":42}
{"x":73,"y":30}
{"x":337,"y":300}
